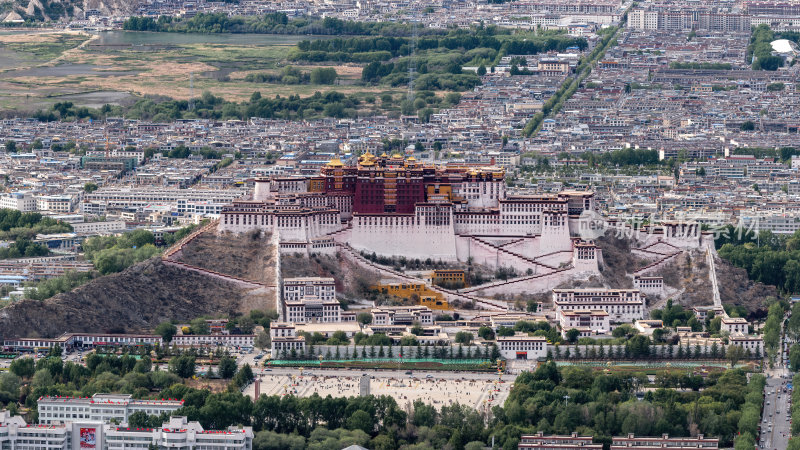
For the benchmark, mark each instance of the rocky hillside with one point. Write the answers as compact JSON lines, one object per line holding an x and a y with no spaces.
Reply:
{"x":687,"y":273}
{"x":737,"y":289}
{"x":62,"y":10}
{"x":250,"y":256}
{"x":135,"y":300}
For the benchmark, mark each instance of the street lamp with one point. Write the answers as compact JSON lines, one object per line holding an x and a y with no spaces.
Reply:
{"x":566,"y":398}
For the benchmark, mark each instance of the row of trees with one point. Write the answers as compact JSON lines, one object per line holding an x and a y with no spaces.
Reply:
{"x":767,"y":257}
{"x":26,"y":225}
{"x":293,"y":75}
{"x":23,"y":248}
{"x":794,"y":442}
{"x":208,"y":106}
{"x":383,"y":48}
{"x":772,"y":329}
{"x":368,"y":351}
{"x":272,"y":23}
{"x":600,"y":404}
{"x":570,"y":85}
{"x":640,"y":347}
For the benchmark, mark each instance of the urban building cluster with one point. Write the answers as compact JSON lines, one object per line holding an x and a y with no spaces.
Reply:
{"x":81,"y":428}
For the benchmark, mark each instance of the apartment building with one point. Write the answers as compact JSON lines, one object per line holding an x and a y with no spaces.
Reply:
{"x":622,"y":305}
{"x":402,"y":315}
{"x":555,"y":442}
{"x":124,"y":197}
{"x":284,"y":338}
{"x":81,"y":341}
{"x":99,"y":227}
{"x":310,"y":300}
{"x":57,"y":203}
{"x":88,"y":434}
{"x":734,"y":325}
{"x":100,"y":407}
{"x":632,"y":442}
{"x":687,"y":19}
{"x":587,"y":322}
{"x":20,"y":201}
{"x":753,"y":344}
{"x":213,"y":340}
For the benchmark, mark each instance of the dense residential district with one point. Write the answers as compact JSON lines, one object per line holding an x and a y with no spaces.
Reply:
{"x":401,"y":225}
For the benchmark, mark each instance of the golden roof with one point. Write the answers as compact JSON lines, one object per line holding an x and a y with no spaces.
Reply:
{"x":335,"y":162}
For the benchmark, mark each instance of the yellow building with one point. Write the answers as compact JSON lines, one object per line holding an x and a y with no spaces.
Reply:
{"x":426,"y":296}
{"x":448,"y":276}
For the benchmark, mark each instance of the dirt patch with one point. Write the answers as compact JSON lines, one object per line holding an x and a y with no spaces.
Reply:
{"x":132,"y":301}
{"x":250,"y":255}
{"x":210,"y":384}
{"x":689,"y":271}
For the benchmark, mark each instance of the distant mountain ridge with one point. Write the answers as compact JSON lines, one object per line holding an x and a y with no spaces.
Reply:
{"x":61,"y":10}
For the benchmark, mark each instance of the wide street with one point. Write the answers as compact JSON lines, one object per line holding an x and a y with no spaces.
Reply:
{"x":775,"y":421}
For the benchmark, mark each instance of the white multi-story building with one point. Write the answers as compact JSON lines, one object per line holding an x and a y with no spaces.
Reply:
{"x":402,"y":315}
{"x":649,"y":285}
{"x":100,"y":407}
{"x":622,"y":305}
{"x":77,"y":434}
{"x":734,"y":325}
{"x":210,"y":340}
{"x":57,"y":203}
{"x":310,"y":300}
{"x":98,"y":227}
{"x":702,"y":312}
{"x":124,"y":197}
{"x":178,"y":433}
{"x":553,"y":442}
{"x":522,"y":346}
{"x":284,"y":338}
{"x":20,"y":201}
{"x":748,"y":342}
{"x":295,"y":289}
{"x":202,"y":208}
{"x":632,"y":441}
{"x":82,"y":341}
{"x":586,"y":321}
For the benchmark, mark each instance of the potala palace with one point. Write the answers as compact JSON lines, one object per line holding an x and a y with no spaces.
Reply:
{"x":399,"y":207}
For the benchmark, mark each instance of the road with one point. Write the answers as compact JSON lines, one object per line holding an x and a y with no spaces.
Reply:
{"x":775,"y":422}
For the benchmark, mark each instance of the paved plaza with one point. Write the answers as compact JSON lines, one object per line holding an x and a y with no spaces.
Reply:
{"x":440,"y":390}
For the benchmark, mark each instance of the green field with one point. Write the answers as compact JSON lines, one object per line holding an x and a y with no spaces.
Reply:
{"x":39,"y":69}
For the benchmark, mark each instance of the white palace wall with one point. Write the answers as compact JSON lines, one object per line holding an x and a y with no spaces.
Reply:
{"x":399,"y":235}
{"x":299,"y":227}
